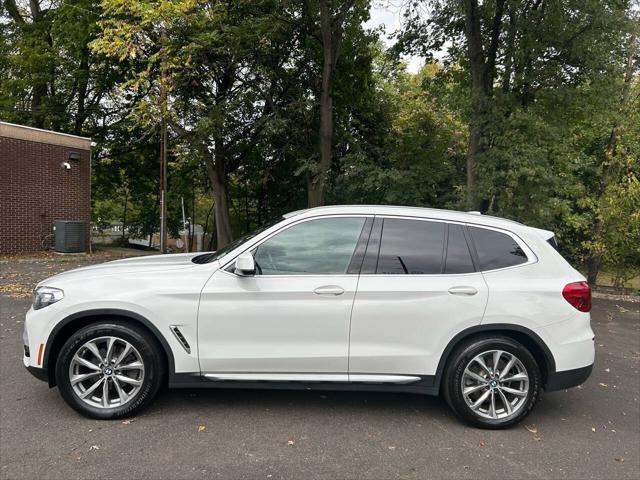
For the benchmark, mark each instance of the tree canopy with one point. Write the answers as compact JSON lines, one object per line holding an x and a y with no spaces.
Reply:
{"x":527,"y":109}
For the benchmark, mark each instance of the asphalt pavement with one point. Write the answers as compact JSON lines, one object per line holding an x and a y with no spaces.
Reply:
{"x":588,"y":432}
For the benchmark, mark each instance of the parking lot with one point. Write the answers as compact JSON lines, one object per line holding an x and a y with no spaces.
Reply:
{"x":587,"y":432}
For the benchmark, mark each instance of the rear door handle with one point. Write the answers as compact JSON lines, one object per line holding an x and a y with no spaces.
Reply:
{"x":329,"y":290}
{"x":462,"y":291}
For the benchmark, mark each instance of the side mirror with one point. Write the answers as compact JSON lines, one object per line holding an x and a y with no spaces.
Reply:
{"x":245,"y":265}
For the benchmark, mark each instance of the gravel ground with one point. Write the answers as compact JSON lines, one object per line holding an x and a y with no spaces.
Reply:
{"x":588,"y":432}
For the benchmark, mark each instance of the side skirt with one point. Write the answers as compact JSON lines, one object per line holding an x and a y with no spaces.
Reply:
{"x":422,"y":384}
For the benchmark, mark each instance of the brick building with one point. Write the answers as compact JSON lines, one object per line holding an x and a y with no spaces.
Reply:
{"x":44,"y":176}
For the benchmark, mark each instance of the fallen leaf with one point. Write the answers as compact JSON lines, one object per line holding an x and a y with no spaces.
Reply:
{"x":201,"y":428}
{"x":531,"y":428}
{"x":619,"y":459}
{"x":16,"y":290}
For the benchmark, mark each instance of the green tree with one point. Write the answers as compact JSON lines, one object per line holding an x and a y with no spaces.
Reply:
{"x":50,"y":78}
{"x":513,"y":53}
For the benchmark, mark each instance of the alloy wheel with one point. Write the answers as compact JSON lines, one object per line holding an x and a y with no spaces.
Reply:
{"x":495,"y":384}
{"x":106,"y":372}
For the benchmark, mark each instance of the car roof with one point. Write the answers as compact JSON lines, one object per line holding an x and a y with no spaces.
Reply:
{"x":420,"y":212}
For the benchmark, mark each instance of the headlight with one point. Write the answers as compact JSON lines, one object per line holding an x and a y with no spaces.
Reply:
{"x":44,"y":296}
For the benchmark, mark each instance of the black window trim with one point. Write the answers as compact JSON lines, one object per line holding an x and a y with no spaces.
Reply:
{"x":373,"y":249}
{"x":225,"y":267}
{"x":370,"y":261}
{"x":470,"y":247}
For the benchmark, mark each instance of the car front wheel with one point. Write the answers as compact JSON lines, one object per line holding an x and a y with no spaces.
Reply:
{"x":492,"y":382}
{"x":108,"y":370}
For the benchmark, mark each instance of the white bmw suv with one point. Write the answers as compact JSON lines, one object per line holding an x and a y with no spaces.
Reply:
{"x":481,"y":309}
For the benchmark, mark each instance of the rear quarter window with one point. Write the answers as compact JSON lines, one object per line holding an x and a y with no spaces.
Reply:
{"x":496,"y":250}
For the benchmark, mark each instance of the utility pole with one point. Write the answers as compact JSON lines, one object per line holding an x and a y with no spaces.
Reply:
{"x":163,"y":187}
{"x":163,"y":152}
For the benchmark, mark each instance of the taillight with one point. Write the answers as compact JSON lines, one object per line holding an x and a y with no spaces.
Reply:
{"x":578,"y":294}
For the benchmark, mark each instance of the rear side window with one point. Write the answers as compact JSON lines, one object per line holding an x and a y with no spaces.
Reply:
{"x":411,"y":247}
{"x":458,"y":258}
{"x":495,"y":249}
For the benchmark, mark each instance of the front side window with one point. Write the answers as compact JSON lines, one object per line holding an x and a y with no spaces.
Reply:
{"x":411,"y":247}
{"x":316,"y":247}
{"x":496,"y":250}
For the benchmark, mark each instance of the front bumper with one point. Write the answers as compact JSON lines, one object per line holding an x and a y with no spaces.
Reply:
{"x":40,"y":373}
{"x":568,"y":378}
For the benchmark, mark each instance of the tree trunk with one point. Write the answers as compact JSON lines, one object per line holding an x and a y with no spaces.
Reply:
{"x":482,"y":74}
{"x":593,"y":268}
{"x":331,"y":33}
{"x":83,"y":83}
{"x":124,"y":214}
{"x":221,"y":212}
{"x":317,"y":178}
{"x":478,"y":92}
{"x":218,"y":179}
{"x":473,"y":149}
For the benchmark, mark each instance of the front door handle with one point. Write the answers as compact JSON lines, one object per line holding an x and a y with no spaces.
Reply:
{"x":462,"y":291}
{"x":329,"y":290}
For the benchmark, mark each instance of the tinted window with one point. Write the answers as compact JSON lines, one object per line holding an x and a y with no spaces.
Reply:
{"x":496,"y":250}
{"x":458,"y":256}
{"x":411,"y":246}
{"x":322,"y":246}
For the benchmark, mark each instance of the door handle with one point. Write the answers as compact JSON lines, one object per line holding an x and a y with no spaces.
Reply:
{"x":462,"y":291}
{"x":329,"y":290}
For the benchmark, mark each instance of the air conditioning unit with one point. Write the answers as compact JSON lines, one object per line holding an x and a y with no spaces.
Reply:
{"x":71,"y":236}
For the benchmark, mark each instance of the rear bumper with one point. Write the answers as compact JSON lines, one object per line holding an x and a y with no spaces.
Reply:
{"x":568,"y":378}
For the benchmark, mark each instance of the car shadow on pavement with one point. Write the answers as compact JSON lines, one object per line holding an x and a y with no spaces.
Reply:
{"x":316,"y":400}
{"x":552,"y":407}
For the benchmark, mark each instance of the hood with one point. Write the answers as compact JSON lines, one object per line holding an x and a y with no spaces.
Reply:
{"x":128,"y":265}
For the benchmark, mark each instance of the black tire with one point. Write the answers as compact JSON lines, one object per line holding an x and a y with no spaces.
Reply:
{"x":151,"y":358}
{"x":458,"y":361}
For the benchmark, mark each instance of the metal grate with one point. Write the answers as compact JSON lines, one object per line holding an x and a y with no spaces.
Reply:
{"x":70,"y":236}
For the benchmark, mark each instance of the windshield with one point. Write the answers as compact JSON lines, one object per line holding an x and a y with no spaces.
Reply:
{"x":218,"y":254}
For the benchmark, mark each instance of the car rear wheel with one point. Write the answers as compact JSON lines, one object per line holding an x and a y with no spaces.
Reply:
{"x":109,"y":370}
{"x":492,"y":382}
